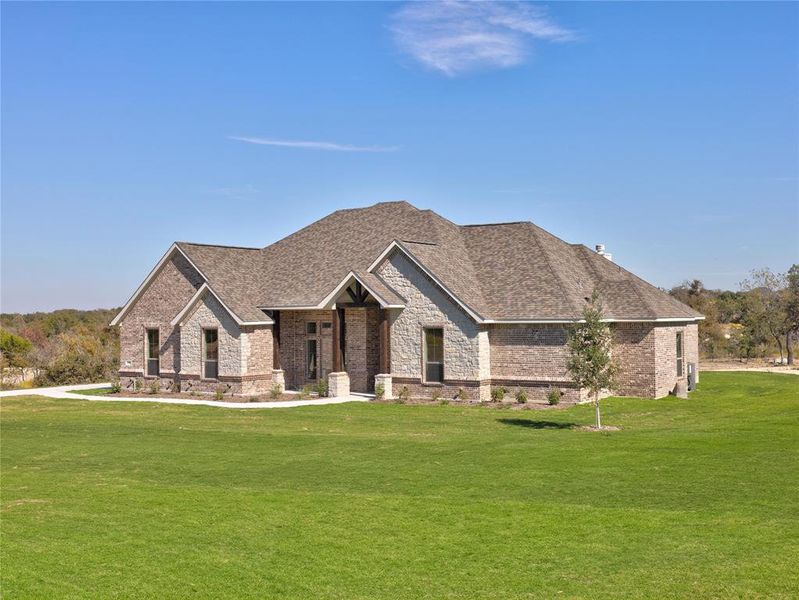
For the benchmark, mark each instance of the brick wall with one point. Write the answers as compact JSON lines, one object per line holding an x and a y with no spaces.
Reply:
{"x":361,"y":344}
{"x":634,"y":352}
{"x":535,"y":352}
{"x":164,"y":297}
{"x":292,"y":344}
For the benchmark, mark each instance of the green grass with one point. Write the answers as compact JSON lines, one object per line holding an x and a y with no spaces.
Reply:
{"x":691,"y":499}
{"x":92,"y":392}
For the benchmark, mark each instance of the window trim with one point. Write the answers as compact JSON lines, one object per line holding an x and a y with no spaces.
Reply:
{"x":424,"y":377}
{"x":203,"y":354}
{"x":148,"y":357}
{"x":680,"y":358}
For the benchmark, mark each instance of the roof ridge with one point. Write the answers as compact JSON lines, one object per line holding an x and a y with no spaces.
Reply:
{"x":495,"y":224}
{"x":218,"y":245}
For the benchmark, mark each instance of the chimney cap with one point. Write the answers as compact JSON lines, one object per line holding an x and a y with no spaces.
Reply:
{"x":600,"y":248}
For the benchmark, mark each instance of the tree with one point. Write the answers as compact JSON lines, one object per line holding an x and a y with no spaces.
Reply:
{"x":590,"y":363}
{"x":765,"y":305}
{"x":14,"y":350}
{"x":791,"y":309}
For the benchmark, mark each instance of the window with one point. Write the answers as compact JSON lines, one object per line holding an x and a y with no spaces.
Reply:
{"x":434,"y":355}
{"x":327,"y":325}
{"x":310,"y":328}
{"x":310,"y":352}
{"x":210,"y":353}
{"x":679,"y":354}
{"x":153,"y":363}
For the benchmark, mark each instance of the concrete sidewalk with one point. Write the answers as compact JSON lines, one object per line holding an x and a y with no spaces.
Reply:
{"x":65,"y":392}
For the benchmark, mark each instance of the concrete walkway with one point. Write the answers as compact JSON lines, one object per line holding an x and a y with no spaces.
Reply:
{"x":65,"y":392}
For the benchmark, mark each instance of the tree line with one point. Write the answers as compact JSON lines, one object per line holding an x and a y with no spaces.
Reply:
{"x":60,"y":347}
{"x":761,"y":319}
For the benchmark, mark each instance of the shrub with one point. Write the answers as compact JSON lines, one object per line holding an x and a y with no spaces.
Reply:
{"x":116,"y":387}
{"x":443,"y":402}
{"x":137,"y":385}
{"x":275,"y":392}
{"x":436,"y":395}
{"x":521,"y":397}
{"x":219,"y":393}
{"x":553,"y":396}
{"x":305,"y":392}
{"x":498,"y":394}
{"x":404,"y":394}
{"x":380,"y":391}
{"x":461,"y":394}
{"x":155,"y":387}
{"x":321,"y":388}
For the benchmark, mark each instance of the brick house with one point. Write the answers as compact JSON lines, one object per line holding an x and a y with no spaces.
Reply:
{"x":399,"y":296}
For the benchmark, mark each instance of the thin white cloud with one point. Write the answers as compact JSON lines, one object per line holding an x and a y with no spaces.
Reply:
{"x":458,"y":36}
{"x":309,"y":145}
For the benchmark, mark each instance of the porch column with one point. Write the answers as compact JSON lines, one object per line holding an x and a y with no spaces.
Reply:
{"x":383,"y":388}
{"x":278,"y":376}
{"x":384,"y":353}
{"x":276,"y":340}
{"x":336,"y":341}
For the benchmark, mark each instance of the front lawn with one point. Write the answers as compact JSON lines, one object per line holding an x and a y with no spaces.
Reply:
{"x":692,"y":498}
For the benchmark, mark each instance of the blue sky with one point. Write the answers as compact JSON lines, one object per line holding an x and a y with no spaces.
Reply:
{"x":667,"y":131}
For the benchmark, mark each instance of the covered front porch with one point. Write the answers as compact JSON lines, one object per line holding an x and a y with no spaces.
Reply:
{"x":346,"y":342}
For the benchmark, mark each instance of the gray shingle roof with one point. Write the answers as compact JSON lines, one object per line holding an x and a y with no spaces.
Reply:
{"x":512,"y":271}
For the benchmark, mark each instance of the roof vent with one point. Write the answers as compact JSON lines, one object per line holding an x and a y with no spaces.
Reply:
{"x":600,"y":249}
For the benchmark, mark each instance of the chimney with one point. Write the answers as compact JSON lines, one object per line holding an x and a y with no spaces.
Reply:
{"x":600,"y":249}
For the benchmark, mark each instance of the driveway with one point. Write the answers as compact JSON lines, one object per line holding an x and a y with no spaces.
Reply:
{"x":67,"y":391}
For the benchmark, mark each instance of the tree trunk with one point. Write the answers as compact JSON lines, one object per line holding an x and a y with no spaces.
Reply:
{"x":779,"y":345}
{"x":789,"y":346}
{"x":596,"y":406}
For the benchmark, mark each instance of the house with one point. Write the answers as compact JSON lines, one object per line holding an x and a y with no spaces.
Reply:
{"x":398,"y":296}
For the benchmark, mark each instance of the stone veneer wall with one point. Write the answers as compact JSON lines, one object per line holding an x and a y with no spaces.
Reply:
{"x":427,"y":305}
{"x":164,"y":297}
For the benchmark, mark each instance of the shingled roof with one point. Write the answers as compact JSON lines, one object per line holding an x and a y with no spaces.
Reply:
{"x":502,"y":272}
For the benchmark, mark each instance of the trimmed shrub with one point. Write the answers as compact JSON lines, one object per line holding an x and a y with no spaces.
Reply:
{"x":274,"y":393}
{"x":461,"y":394}
{"x":116,"y":387}
{"x":521,"y":397}
{"x":321,"y":388}
{"x":498,"y":394}
{"x":380,"y":391}
{"x":154,"y":387}
{"x":219,"y":393}
{"x":436,"y":395}
{"x":553,"y":396}
{"x":404,"y":394}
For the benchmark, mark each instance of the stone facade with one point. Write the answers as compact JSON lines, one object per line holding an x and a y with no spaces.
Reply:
{"x":427,"y":305}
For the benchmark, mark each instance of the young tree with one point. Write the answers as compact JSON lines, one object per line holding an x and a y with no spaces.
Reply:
{"x":590,"y":363}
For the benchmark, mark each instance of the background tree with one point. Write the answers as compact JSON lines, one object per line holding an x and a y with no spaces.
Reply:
{"x":765,"y":306}
{"x":14,"y":350}
{"x":792,"y":309}
{"x":590,"y":363}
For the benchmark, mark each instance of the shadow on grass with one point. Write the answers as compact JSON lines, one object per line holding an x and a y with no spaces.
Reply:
{"x":532,"y":424}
